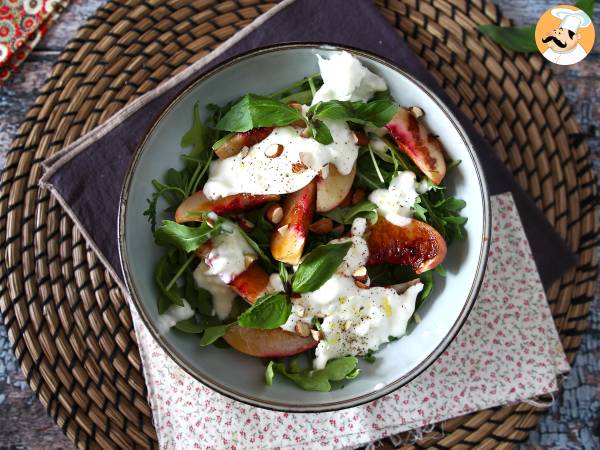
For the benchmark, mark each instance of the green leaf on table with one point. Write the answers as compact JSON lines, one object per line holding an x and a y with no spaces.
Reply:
{"x":517,"y":39}
{"x":185,"y":237}
{"x":375,"y":113}
{"x":211,"y":334}
{"x":268,"y":312}
{"x":318,"y":380}
{"x":586,"y":6}
{"x":254,"y":111}
{"x":318,"y":266}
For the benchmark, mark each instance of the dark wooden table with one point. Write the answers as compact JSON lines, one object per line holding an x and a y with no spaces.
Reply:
{"x":574,"y":420}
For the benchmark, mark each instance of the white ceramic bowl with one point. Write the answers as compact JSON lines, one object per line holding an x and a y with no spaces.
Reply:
{"x":242,"y":377}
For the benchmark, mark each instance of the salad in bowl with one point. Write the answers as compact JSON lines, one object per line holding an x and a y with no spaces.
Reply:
{"x":307,"y":226}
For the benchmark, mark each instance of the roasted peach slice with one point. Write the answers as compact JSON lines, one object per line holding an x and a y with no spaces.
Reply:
{"x":251,"y":283}
{"x":332,"y":190}
{"x":238,"y":141}
{"x":267,"y":343}
{"x":413,"y":138}
{"x":197,"y":203}
{"x":416,"y":244}
{"x":289,"y":237}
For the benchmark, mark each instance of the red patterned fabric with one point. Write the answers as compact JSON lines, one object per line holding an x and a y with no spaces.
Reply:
{"x":22,"y":25}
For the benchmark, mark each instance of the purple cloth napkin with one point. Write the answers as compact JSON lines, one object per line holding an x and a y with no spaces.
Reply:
{"x":90,"y":182}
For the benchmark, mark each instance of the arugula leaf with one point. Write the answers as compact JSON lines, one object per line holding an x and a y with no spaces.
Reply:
{"x":211,"y":334}
{"x":442,"y":213}
{"x":185,"y":237}
{"x":375,"y":113}
{"x":318,"y":380}
{"x":163,"y":274}
{"x":320,"y":132}
{"x":318,"y":266}
{"x":346,"y":215}
{"x":370,"y":357}
{"x":254,"y":111}
{"x":367,"y":174}
{"x":268,"y":312}
{"x":196,"y":137}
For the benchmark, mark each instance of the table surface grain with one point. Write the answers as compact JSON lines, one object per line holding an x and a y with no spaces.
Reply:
{"x":574,"y":419}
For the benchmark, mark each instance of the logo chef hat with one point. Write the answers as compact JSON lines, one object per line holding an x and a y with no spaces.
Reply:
{"x":570,"y":19}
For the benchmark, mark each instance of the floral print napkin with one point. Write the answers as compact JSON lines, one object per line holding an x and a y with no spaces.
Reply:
{"x":507,"y":351}
{"x":22,"y":25}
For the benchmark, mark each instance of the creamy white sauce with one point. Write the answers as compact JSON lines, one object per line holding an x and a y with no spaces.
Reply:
{"x":345,"y":78}
{"x":256,"y":173}
{"x":354,"y":320}
{"x":227,"y":258}
{"x":173,"y":315}
{"x":225,"y":261}
{"x":222,"y":295}
{"x":395,"y":202}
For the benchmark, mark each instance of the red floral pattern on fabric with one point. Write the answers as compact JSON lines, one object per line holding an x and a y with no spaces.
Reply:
{"x":22,"y":25}
{"x":507,"y":351}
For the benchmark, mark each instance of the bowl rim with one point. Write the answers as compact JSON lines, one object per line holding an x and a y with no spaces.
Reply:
{"x":284,"y":406}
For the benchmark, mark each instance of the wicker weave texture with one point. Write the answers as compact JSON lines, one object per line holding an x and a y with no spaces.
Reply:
{"x":69,"y":324}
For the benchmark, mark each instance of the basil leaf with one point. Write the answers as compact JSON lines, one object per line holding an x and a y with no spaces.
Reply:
{"x":517,"y":39}
{"x":320,"y":132}
{"x":320,"y":380}
{"x":184,"y":237}
{"x":189,"y":326}
{"x":211,"y":334}
{"x":254,"y":111}
{"x":163,"y":274}
{"x":318,"y":266}
{"x":268,"y":312}
{"x":376,"y":113}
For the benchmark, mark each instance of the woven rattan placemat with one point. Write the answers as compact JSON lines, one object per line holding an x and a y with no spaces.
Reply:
{"x":69,"y":324}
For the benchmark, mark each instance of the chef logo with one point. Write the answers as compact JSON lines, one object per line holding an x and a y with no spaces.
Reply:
{"x":564,"y":35}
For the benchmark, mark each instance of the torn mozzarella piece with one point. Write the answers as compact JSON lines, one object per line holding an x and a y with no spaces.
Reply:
{"x":345,"y":78}
{"x":396,"y":202}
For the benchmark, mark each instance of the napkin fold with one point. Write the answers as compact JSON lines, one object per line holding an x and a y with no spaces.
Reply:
{"x":104,"y":154}
{"x":507,"y":351}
